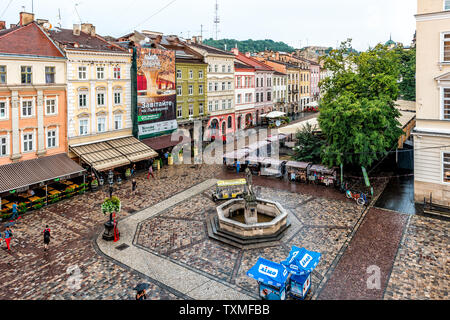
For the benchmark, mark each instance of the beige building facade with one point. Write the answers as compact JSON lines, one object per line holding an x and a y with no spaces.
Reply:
{"x":432,"y":132}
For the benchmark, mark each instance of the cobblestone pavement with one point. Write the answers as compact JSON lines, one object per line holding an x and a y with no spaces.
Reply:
{"x":421,"y":269}
{"x":30,"y":273}
{"x":321,"y":219}
{"x":180,"y":234}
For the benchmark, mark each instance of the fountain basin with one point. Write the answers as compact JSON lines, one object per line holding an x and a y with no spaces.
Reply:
{"x":229,"y":217}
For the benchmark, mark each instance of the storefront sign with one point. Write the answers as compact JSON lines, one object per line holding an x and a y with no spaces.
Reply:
{"x":156,"y":101}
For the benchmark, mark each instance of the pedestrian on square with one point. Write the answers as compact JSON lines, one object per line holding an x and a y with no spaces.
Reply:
{"x":150,"y":172}
{"x":15,"y":212}
{"x":46,"y":237}
{"x":166,"y":158}
{"x":141,"y":295}
{"x":8,"y":235}
{"x":133,"y":186}
{"x":133,"y":169}
{"x":238,"y":166}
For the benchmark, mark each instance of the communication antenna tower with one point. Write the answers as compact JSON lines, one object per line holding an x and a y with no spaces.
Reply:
{"x":216,"y":20}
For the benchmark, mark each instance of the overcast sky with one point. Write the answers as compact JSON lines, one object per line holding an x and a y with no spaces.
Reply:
{"x":296,"y":22}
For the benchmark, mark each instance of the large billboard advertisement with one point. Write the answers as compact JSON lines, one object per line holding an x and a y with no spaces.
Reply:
{"x":156,"y":101}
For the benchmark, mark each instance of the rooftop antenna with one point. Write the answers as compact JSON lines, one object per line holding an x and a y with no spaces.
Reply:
{"x":76,"y":5}
{"x":216,"y":20}
{"x":59,"y":17}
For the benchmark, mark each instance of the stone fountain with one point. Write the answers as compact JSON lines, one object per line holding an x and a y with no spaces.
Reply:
{"x":250,"y":222}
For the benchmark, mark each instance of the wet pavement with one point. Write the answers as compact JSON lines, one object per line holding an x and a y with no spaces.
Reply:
{"x":371,"y":252}
{"x":399,"y":195}
{"x":411,"y":251}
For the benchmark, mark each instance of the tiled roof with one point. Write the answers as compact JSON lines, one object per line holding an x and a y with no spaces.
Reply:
{"x":238,"y":65}
{"x":83,"y":42}
{"x":253,"y":62}
{"x":210,"y":49}
{"x":28,"y":40}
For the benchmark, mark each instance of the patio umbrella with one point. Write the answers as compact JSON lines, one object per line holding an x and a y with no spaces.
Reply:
{"x":142,"y":286}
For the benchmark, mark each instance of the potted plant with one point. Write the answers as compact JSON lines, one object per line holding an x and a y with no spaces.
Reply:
{"x":112,"y":206}
{"x":94,"y":185}
{"x":127,"y":173}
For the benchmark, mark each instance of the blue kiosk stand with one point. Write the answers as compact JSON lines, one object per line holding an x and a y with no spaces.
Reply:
{"x":272,"y":279}
{"x":300,"y":264}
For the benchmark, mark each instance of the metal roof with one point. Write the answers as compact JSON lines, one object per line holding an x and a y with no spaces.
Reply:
{"x":29,"y":172}
{"x":115,"y":153}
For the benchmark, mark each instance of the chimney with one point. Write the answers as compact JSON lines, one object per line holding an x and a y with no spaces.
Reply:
{"x":194,"y":40}
{"x":26,"y":18}
{"x":247,"y":54}
{"x":76,"y":29}
{"x":277,"y":55}
{"x":2,"y":25}
{"x":200,"y":39}
{"x":235,"y":51}
{"x":88,"y":28}
{"x":41,"y":22}
{"x":12,"y":25}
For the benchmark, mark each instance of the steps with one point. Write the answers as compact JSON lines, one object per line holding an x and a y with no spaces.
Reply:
{"x":214,"y":232}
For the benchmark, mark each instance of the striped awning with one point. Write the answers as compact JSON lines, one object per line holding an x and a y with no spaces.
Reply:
{"x":115,"y":153}
{"x":20,"y":175}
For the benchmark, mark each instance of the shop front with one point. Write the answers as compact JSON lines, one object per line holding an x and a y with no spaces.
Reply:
{"x":116,"y":156}
{"x":32,"y":184}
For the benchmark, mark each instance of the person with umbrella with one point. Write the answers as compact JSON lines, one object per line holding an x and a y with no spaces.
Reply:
{"x":141,"y":291}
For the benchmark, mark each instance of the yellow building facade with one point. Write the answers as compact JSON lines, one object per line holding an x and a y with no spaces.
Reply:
{"x":98,"y":87}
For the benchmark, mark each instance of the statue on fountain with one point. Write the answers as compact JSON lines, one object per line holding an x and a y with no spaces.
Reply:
{"x":250,"y":213}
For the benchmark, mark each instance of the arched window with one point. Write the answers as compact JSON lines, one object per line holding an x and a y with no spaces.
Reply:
{"x":230,"y":125}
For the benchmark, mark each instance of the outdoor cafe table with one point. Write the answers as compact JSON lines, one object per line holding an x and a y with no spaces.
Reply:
{"x":34,"y":198}
{"x":53,"y":192}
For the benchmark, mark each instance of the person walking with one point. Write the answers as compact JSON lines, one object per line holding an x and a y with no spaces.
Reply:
{"x":8,"y":235}
{"x":166,"y":158}
{"x":150,"y":172}
{"x":133,"y":170}
{"x":133,"y":186}
{"x":46,"y":237}
{"x":15,"y":211}
{"x":141,"y":295}
{"x":238,"y":166}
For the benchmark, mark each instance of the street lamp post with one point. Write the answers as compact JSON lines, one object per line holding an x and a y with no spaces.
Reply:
{"x":109,"y":225}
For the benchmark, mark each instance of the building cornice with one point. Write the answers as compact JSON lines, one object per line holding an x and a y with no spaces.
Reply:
{"x":432,"y":16}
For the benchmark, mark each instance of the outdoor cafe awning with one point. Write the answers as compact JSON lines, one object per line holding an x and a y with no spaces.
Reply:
{"x":20,"y":175}
{"x":115,"y":153}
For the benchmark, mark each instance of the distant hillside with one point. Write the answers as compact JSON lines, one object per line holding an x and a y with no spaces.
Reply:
{"x":249,"y":45}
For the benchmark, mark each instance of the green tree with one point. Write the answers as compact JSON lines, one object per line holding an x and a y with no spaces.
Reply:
{"x":357,"y":113}
{"x":249,"y":45}
{"x":407,"y":84}
{"x":308,"y":146}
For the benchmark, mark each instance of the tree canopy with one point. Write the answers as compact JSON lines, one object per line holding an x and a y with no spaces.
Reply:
{"x":309,"y":145}
{"x":249,"y":45}
{"x":357,"y":113}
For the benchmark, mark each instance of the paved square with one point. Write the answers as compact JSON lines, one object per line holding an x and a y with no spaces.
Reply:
{"x":180,"y":234}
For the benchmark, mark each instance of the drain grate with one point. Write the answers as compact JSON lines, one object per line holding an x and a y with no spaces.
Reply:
{"x":122,"y":247}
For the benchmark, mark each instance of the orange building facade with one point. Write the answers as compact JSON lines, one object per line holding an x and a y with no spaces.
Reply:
{"x":33,"y":106}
